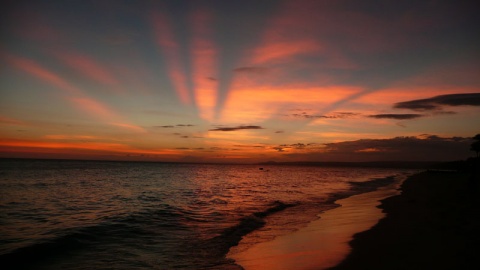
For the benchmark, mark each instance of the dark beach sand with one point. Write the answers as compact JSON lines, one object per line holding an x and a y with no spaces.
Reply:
{"x":433,"y":224}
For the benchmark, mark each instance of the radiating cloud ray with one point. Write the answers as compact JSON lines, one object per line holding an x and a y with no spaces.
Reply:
{"x":165,"y":39}
{"x":42,"y":73}
{"x":204,"y":64}
{"x":75,"y":95}
{"x":89,"y":67}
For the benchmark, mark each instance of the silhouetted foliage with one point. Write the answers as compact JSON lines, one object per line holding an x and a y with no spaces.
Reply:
{"x":475,"y":146}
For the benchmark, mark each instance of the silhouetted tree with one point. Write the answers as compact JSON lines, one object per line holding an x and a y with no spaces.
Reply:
{"x":476,"y":144}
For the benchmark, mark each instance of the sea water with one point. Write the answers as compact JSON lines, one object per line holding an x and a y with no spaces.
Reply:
{"x":63,"y":214}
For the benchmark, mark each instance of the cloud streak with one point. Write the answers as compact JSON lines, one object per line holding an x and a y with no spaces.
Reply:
{"x":397,"y":116}
{"x":171,"y":51}
{"x":235,"y":128}
{"x":438,"y":102}
{"x":335,"y":115}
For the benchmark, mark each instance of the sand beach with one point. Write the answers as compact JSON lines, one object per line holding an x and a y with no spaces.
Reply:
{"x":431,"y":222}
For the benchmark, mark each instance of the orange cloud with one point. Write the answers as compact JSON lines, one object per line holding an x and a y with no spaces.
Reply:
{"x":87,"y":104}
{"x":31,"y":145}
{"x":89,"y":67}
{"x":392,"y":95}
{"x":94,"y":107}
{"x":204,"y":64}
{"x":10,"y":121}
{"x":131,"y":127}
{"x":42,"y":73}
{"x":273,"y":50}
{"x":255,"y":104}
{"x":165,"y":39}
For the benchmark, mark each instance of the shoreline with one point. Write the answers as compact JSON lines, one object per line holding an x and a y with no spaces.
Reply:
{"x":323,"y":243}
{"x":433,"y":224}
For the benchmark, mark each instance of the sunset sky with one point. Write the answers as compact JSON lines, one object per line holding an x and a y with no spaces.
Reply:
{"x":239,"y":80}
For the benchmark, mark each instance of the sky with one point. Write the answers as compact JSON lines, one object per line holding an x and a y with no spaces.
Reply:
{"x":239,"y":81}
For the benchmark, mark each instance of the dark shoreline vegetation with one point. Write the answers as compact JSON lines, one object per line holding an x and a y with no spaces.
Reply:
{"x":433,"y":224}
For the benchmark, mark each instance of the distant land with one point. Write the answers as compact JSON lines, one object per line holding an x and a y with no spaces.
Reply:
{"x":369,"y":164}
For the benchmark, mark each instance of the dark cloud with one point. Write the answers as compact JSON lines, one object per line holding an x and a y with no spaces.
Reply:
{"x":279,"y":131}
{"x":235,"y":128}
{"x":256,"y":70}
{"x":438,"y":102}
{"x":405,"y":116}
{"x":172,"y":126}
{"x":249,"y":146}
{"x":284,"y":147}
{"x":335,"y":115}
{"x":425,"y":147}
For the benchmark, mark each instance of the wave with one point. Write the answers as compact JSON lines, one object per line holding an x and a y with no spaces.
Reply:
{"x":372,"y":184}
{"x":138,"y":225}
{"x":231,"y":236}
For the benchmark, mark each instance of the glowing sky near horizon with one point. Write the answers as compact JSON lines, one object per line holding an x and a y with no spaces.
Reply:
{"x":240,"y":81}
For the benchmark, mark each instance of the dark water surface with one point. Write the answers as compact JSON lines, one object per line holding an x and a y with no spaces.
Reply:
{"x":58,"y":214}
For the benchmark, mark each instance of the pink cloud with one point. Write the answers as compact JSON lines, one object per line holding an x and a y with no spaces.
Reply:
{"x":89,"y":67}
{"x":170,"y":48}
{"x":41,"y":72}
{"x":204,"y":53}
{"x":93,"y":107}
{"x":10,"y":121}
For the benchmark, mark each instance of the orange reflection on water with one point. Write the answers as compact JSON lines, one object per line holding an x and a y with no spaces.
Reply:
{"x":324,"y":242}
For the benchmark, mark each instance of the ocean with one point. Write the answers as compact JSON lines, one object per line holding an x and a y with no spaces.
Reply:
{"x":65,"y":214}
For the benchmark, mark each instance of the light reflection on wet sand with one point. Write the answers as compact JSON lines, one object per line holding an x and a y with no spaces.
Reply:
{"x":324,"y":242}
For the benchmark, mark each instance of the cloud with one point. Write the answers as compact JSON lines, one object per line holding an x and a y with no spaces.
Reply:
{"x":335,"y":115}
{"x":296,"y":146}
{"x":172,"y":126}
{"x":235,"y":128}
{"x":425,"y":147}
{"x":256,"y":70}
{"x":166,"y":40}
{"x":438,"y":102}
{"x":10,"y":121}
{"x":405,"y":116}
{"x":89,"y":67}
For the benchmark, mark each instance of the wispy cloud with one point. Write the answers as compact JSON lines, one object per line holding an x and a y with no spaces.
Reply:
{"x":335,"y":115}
{"x":204,"y":54}
{"x":397,"y":116}
{"x":174,"y":126}
{"x":235,"y":128}
{"x":438,"y":102}
{"x":89,"y":67}
{"x":10,"y":121}
{"x":253,"y":69}
{"x":165,"y":38}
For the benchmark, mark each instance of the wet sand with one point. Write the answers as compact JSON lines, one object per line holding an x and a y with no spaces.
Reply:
{"x":324,"y":242}
{"x":433,"y":224}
